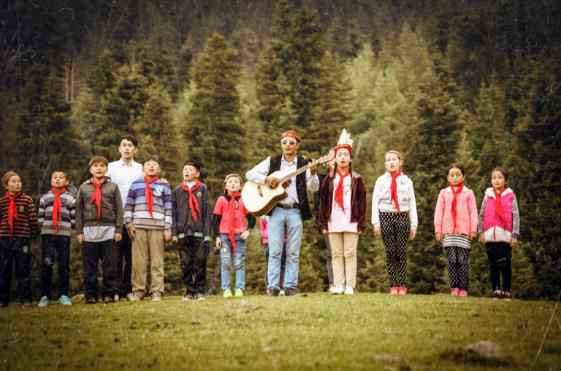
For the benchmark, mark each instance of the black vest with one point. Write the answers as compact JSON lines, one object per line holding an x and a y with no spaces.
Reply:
{"x":301,"y":188}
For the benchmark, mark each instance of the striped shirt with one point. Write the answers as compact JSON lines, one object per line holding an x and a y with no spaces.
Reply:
{"x":136,"y":208}
{"x":25,"y":224}
{"x":457,"y":240}
{"x":67,"y":214}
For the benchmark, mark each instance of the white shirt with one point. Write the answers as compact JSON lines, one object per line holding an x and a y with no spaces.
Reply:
{"x":340,"y":220}
{"x":382,"y":199}
{"x":123,"y":175}
{"x":260,"y":171}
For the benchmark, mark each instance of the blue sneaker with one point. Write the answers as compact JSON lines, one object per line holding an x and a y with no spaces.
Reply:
{"x":43,"y":302}
{"x":65,"y":300}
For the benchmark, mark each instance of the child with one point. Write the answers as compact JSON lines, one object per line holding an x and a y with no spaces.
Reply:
{"x":232,"y":222}
{"x":191,"y":226}
{"x":148,"y":217}
{"x":56,"y":218}
{"x":394,"y":216}
{"x":18,"y":223}
{"x":455,"y":224}
{"x":500,"y":230}
{"x":99,"y":221}
{"x":342,"y":216}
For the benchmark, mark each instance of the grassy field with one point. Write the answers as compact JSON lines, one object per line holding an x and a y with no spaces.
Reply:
{"x":310,"y":331}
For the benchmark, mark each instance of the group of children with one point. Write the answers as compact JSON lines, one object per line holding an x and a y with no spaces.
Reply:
{"x":154,"y":214}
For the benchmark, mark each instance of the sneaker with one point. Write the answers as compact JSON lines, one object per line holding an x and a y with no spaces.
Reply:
{"x":64,"y":300}
{"x":108,"y":299}
{"x":91,"y":300}
{"x":282,"y":292}
{"x":186,"y":298}
{"x":43,"y":302}
{"x":290,"y":291}
{"x":394,"y":291}
{"x":332,"y":289}
{"x":338,"y":290}
{"x":200,"y":296}
{"x":349,"y":290}
{"x":156,"y":296}
{"x":116,"y":298}
{"x":463,"y":293}
{"x":227,"y":293}
{"x":239,"y":293}
{"x":133,"y":297}
{"x":497,"y":294}
{"x":402,"y":290}
{"x":507,"y":295}
{"x":273,"y":291}
{"x":455,"y":291}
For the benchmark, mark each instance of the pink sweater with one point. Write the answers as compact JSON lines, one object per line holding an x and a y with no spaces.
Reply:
{"x":466,"y":212}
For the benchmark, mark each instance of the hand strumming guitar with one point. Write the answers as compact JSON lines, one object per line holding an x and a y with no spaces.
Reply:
{"x":271,"y":181}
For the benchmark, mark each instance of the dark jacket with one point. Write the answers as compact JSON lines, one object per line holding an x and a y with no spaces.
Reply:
{"x":182,"y":220}
{"x":358,"y":201}
{"x":111,"y":206}
{"x":25,"y":224}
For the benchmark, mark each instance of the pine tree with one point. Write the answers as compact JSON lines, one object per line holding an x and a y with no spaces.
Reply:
{"x":214,"y":134}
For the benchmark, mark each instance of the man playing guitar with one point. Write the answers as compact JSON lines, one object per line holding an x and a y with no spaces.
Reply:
{"x":286,"y":219}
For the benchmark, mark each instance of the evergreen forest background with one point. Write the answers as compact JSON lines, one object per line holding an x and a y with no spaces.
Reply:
{"x":474,"y":81}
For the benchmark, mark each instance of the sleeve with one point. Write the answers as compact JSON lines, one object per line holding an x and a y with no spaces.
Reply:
{"x":206,"y":215}
{"x":482,"y":214}
{"x":129,"y":207}
{"x":312,"y":181}
{"x":80,"y":211}
{"x":259,"y":171}
{"x":173,"y":213}
{"x":41,"y":212}
{"x":72,"y":210}
{"x":473,"y":216}
{"x":375,"y":204}
{"x":361,"y":198}
{"x":413,"y":219}
{"x":118,"y":208}
{"x":216,"y":219}
{"x":250,"y":221}
{"x":168,"y":207}
{"x":515,"y":219}
{"x":219,"y":206}
{"x":439,"y":212}
{"x":32,"y":215}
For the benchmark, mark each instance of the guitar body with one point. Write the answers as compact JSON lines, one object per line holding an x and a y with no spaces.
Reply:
{"x":259,"y":198}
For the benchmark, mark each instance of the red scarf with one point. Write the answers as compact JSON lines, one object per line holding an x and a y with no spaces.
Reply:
{"x":233,"y":204}
{"x":499,"y":206}
{"x":97,"y":197}
{"x":193,"y":201}
{"x":395,"y":199}
{"x":148,"y":192}
{"x":339,"y":190}
{"x":12,"y":211}
{"x":456,"y":193}
{"x":57,"y":206}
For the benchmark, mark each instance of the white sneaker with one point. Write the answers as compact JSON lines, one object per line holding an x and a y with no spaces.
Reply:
{"x":116,"y":298}
{"x":156,"y":296}
{"x":331,"y":289}
{"x":349,"y":290}
{"x":133,"y":297}
{"x":337,"y":290}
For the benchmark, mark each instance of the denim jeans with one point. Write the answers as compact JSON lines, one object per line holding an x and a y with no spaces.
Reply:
{"x":239,"y":262}
{"x":284,"y":221}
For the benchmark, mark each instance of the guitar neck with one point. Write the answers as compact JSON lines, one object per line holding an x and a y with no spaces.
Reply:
{"x":295,"y":173}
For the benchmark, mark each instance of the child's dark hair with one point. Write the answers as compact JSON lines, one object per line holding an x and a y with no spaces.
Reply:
{"x":457,"y":165}
{"x":195,"y":164}
{"x":154,"y":158}
{"x":96,"y":159}
{"x":131,"y":138}
{"x":59,"y":171}
{"x":502,"y":171}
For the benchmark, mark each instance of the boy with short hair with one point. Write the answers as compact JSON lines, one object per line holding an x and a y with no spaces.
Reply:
{"x":18,"y":223}
{"x":148,"y":217}
{"x":99,"y":221}
{"x":56,"y":215}
{"x":191,"y":226}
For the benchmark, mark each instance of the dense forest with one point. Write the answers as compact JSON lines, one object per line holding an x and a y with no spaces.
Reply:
{"x":475,"y":81}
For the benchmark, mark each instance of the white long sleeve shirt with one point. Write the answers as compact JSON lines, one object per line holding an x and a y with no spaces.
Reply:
{"x":382,"y":198}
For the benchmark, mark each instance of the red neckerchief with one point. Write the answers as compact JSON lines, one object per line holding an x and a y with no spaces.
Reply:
{"x":97,"y":196}
{"x":12,"y":211}
{"x":499,"y":206}
{"x":395,"y":199}
{"x":148,"y":180}
{"x":233,"y":204}
{"x":57,"y":205}
{"x":456,"y":193}
{"x":339,"y":200}
{"x":193,"y":201}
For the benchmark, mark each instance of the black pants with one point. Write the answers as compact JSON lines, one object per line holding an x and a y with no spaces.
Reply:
{"x":194,"y":254}
{"x":124,"y":264}
{"x":55,"y":249}
{"x":92,"y":253}
{"x":395,"y":230}
{"x":15,"y":251}
{"x":458,"y":267}
{"x":500,"y":264}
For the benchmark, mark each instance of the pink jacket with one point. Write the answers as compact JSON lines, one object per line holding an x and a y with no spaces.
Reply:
{"x":490,"y":223}
{"x":466,"y":212}
{"x":264,"y":228}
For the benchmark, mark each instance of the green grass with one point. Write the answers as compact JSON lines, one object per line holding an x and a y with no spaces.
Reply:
{"x":314,"y":331}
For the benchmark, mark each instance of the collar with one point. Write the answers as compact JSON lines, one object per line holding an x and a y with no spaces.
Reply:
{"x":289,"y":163}
{"x":490,"y":192}
{"x":123,"y":163}
{"x":464,"y":189}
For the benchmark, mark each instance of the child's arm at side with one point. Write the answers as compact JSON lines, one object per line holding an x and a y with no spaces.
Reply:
{"x":439,"y":215}
{"x":515,"y":222}
{"x":473,"y":216}
{"x":481,"y":216}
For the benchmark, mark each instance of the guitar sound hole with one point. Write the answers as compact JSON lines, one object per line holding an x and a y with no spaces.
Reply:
{"x":260,"y":192}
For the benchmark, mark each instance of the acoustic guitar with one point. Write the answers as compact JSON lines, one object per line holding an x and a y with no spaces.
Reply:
{"x":259,"y":198}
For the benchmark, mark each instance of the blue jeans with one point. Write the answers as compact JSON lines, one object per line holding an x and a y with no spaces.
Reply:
{"x":226,"y":259}
{"x":284,"y":221}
